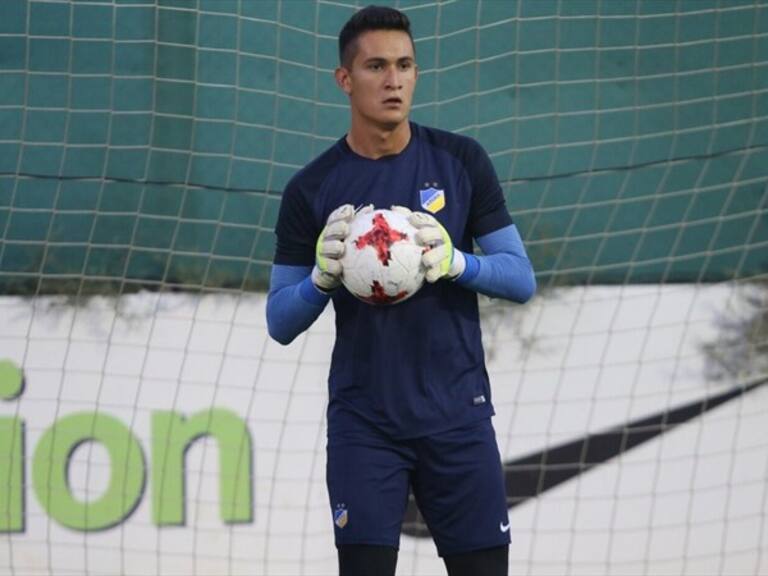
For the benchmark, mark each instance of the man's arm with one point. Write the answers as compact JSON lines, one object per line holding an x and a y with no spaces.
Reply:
{"x":298,"y":294}
{"x":503,"y":271}
{"x":294,"y":302}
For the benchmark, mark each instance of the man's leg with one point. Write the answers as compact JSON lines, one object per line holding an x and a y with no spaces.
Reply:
{"x":459,"y":487}
{"x":488,"y":562}
{"x":367,"y":475}
{"x":366,"y":560}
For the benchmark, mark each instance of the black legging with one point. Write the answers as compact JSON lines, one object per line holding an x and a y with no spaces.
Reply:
{"x":365,"y":560}
{"x":488,"y":562}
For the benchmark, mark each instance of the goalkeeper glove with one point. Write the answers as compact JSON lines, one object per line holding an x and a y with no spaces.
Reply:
{"x":326,"y":274}
{"x":440,"y":258}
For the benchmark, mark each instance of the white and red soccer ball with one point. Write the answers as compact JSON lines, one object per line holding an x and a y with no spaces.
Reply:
{"x":382,"y":261}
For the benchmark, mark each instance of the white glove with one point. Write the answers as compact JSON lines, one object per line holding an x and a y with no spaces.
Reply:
{"x":326,"y":274}
{"x":440,"y":259}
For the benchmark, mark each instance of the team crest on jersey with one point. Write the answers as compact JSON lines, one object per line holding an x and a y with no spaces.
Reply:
{"x":432,"y":198}
{"x":340,"y":515}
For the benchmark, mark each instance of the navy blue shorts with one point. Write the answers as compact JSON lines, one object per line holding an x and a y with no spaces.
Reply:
{"x":456,"y":477}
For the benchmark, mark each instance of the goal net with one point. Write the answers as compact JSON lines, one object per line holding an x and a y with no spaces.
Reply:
{"x":149,"y":425}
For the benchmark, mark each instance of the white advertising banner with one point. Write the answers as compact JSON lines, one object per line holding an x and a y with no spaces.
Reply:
{"x":169,"y":434}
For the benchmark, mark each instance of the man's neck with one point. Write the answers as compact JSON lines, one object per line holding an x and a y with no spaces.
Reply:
{"x":372,"y":142}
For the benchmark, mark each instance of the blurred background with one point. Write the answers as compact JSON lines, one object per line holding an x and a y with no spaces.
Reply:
{"x":144,"y":147}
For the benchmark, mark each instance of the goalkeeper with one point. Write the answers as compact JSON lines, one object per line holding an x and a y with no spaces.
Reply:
{"x":409,"y":397}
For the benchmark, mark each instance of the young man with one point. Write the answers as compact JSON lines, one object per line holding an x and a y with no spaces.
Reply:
{"x":409,"y":401}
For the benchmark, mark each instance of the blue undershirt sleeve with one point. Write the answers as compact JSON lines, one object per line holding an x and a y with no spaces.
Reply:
{"x":504,"y":270}
{"x":293,"y":303}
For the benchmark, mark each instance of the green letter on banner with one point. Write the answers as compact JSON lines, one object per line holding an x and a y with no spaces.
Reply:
{"x":51,"y":467}
{"x":11,"y":475}
{"x":172,"y":435}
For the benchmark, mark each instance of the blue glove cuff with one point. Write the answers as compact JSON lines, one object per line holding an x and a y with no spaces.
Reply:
{"x":471,"y":270}
{"x":312,"y":293}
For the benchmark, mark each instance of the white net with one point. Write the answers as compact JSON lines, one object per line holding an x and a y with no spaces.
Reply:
{"x":143,"y":150}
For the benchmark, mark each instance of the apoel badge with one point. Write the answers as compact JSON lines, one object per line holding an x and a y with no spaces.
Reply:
{"x":432,"y":198}
{"x":340,"y":515}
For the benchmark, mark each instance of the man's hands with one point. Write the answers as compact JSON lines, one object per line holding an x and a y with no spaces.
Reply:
{"x":440,"y":259}
{"x":326,"y":274}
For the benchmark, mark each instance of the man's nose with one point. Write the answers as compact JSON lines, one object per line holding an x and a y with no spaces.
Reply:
{"x":392,"y":78}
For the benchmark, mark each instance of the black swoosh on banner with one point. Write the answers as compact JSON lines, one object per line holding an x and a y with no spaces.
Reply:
{"x":530,"y":476}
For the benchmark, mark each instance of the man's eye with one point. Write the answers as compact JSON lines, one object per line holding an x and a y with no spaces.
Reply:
{"x":405,"y":66}
{"x":374,"y":66}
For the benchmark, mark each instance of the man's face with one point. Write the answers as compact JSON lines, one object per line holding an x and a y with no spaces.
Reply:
{"x":381,"y":78}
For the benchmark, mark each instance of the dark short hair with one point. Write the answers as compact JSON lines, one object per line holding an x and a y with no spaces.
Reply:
{"x":365,"y":20}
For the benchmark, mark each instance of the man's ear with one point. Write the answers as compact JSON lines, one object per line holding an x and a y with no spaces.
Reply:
{"x":343,"y":79}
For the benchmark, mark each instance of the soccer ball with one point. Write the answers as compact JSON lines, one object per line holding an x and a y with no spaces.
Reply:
{"x":382,"y":262}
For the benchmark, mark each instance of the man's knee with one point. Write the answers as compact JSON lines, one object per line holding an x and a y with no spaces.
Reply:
{"x":367,"y":560}
{"x":488,"y":562}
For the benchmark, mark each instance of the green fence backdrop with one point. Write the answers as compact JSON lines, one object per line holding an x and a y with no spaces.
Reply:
{"x":146,"y":144}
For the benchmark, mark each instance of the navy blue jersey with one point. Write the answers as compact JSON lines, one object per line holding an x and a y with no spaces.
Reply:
{"x":417,"y":367}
